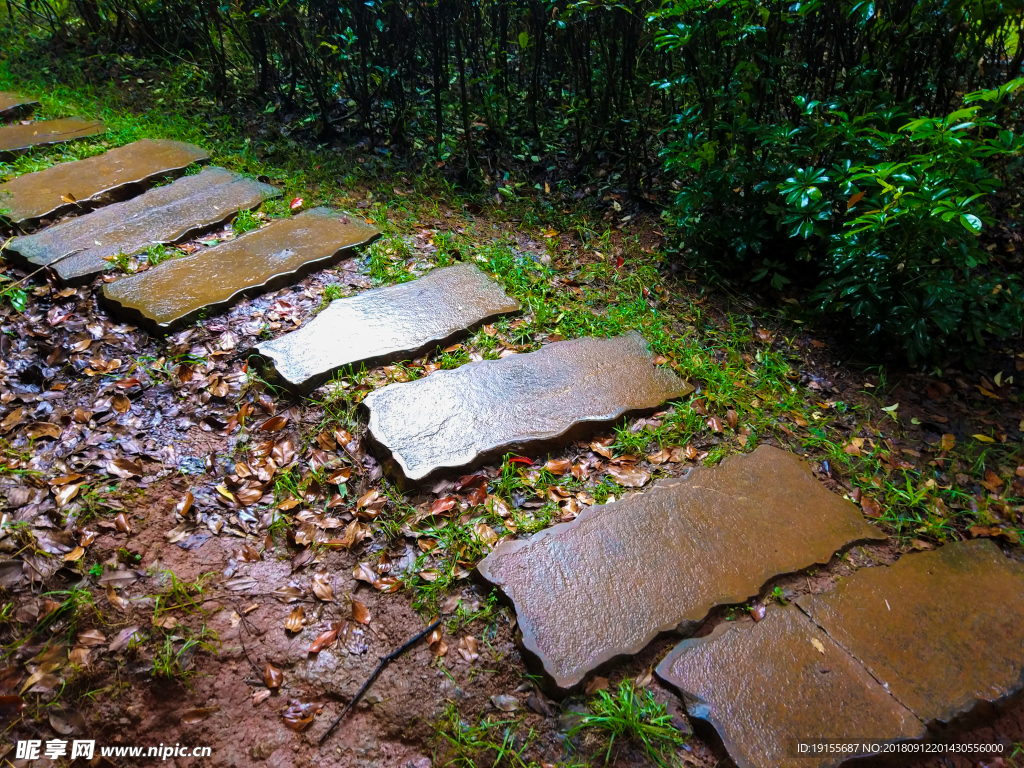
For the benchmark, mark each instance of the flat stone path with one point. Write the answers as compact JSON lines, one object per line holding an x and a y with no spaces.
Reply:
{"x":607,"y":583}
{"x":13,"y":105}
{"x":386,"y":324}
{"x":176,"y":291}
{"x":941,"y":630}
{"x":764,"y":685}
{"x":76,"y":249}
{"x":890,"y":651}
{"x":15,"y":139}
{"x":452,"y":419}
{"x":47,"y":193}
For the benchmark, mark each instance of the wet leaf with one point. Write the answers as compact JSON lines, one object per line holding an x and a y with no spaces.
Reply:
{"x":13,"y":419}
{"x":67,"y":722}
{"x":296,"y":619}
{"x":299,"y":716}
{"x":74,"y":555}
{"x":125,"y":638}
{"x":387,"y":584}
{"x":66,"y":494}
{"x":121,"y":403}
{"x":596,"y":684}
{"x":197,"y":715}
{"x":497,"y":506}
{"x":485,"y":534}
{"x":325,"y":640}
{"x":183,"y":507}
{"x":948,"y":442}
{"x":505,"y":702}
{"x":817,"y":645}
{"x":629,"y":476}
{"x":124,"y":468}
{"x":322,"y":587}
{"x":992,"y":481}
{"x":121,"y":523}
{"x":91,"y":638}
{"x":363,"y":572}
{"x":468,"y":649}
{"x":261,"y":695}
{"x":360,"y":613}
{"x":870,"y":507}
{"x":440,"y":506}
{"x":438,"y":647}
{"x":558,"y":466}
{"x":732,"y":419}
{"x":296,"y":204}
{"x":275,"y":424}
{"x":757,"y":611}
{"x":272,"y":676}
{"x":40,"y":429}
{"x":714,"y":424}
{"x":660,"y":457}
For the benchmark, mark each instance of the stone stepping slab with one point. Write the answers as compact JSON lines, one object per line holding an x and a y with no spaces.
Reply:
{"x":890,"y":652}
{"x":46,"y":193}
{"x":13,"y":105}
{"x":764,"y":685}
{"x":941,"y":630}
{"x":386,"y":324}
{"x":15,"y":139}
{"x":610,"y":581}
{"x":77,"y":249}
{"x":456,"y":418}
{"x":178,"y":290}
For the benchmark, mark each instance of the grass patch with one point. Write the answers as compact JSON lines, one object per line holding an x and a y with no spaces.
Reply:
{"x":631,"y":717}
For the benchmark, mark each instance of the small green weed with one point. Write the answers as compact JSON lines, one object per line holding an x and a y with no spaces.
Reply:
{"x":632,"y":716}
{"x":245,"y":221}
{"x":496,"y":743}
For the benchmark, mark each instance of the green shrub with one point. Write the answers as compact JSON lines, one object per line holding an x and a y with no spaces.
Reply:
{"x":805,"y":157}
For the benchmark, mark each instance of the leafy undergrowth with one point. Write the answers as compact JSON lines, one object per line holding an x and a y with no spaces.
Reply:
{"x":169,"y":512}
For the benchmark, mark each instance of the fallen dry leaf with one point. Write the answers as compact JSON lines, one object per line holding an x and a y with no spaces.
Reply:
{"x":322,"y":587}
{"x":468,"y":648}
{"x":325,"y":640}
{"x":360,"y":613}
{"x":295,"y":619}
{"x":272,"y":676}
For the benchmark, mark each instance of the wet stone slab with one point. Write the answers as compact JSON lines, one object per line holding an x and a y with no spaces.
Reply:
{"x":385,"y":324}
{"x":453,"y":419}
{"x":15,"y":139}
{"x":607,"y":583}
{"x":95,"y":179}
{"x":77,"y":249}
{"x":764,"y":685}
{"x":943,"y":630}
{"x":13,"y":105}
{"x":177,"y":290}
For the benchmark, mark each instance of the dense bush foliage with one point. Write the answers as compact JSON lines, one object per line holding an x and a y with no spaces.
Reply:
{"x":459,"y":76}
{"x":831,"y":144}
{"x":845,"y":153}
